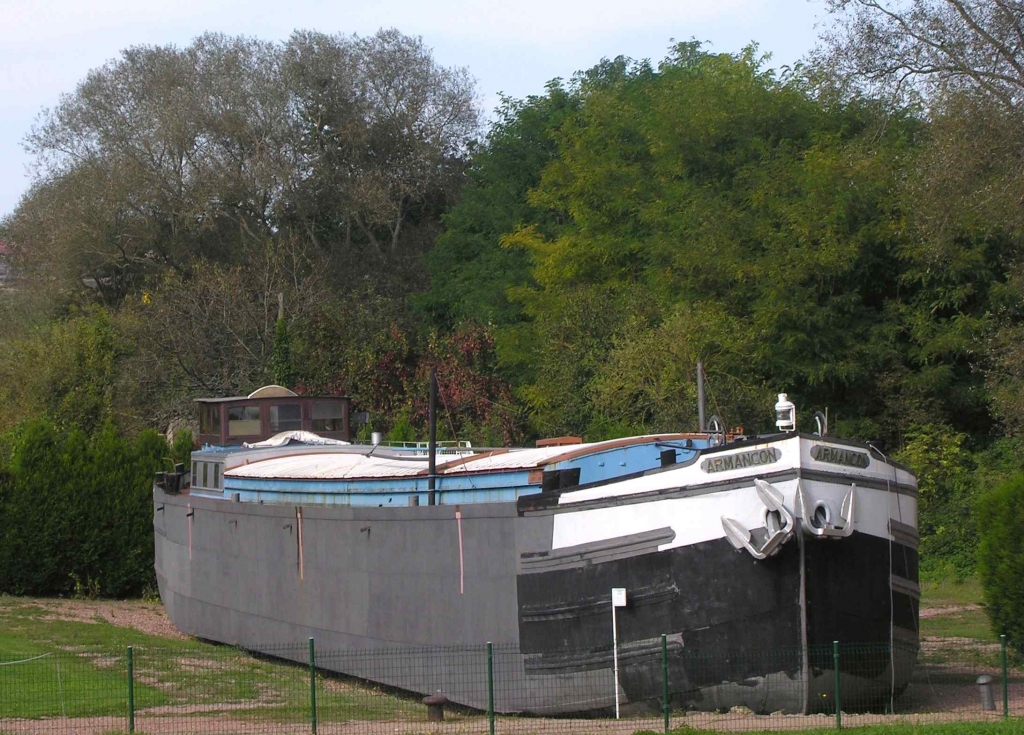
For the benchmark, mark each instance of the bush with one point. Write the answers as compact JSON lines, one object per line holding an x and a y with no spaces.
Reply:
{"x":947,"y":489}
{"x":1001,"y":558}
{"x":77,"y":511}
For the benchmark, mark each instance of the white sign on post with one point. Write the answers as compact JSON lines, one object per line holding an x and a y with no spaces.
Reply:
{"x":618,"y":600}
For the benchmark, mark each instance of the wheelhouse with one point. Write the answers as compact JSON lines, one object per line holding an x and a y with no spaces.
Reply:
{"x":269,"y":411}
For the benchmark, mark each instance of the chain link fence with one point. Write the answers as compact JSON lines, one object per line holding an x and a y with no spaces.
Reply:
{"x":488,"y":689}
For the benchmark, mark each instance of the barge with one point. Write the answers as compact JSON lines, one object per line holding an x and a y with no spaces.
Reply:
{"x":751,"y":554}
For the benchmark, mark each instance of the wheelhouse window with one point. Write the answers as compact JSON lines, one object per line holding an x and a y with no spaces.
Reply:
{"x":244,"y":420}
{"x":327,"y":417}
{"x":209,"y":418}
{"x":216,"y":476}
{"x":206,"y":475}
{"x":285,"y":417}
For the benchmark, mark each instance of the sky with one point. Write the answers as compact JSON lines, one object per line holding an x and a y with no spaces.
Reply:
{"x":48,"y":46}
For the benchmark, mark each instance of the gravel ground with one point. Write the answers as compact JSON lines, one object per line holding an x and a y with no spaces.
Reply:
{"x":211,"y":725}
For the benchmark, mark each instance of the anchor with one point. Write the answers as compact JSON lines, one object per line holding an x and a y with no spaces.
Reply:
{"x":765,"y":541}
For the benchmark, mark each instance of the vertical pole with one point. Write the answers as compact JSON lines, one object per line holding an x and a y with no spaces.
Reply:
{"x":432,"y":439}
{"x":490,"y":688}
{"x":312,"y":685}
{"x":131,"y":690}
{"x":615,"y":657}
{"x":664,"y":680}
{"x":1006,"y":682}
{"x":701,"y":405}
{"x":839,"y":703}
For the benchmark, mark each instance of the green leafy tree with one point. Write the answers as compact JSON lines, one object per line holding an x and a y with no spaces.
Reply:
{"x":1001,"y":558}
{"x":947,"y":491}
{"x":709,"y":181}
{"x":470,"y":272}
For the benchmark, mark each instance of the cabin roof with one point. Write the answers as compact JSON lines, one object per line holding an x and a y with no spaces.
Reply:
{"x":232,"y":399}
{"x":342,"y":466}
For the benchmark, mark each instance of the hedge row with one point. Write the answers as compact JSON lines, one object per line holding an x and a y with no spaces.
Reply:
{"x":76,"y":511}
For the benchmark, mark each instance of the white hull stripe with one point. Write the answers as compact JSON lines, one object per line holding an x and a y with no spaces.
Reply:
{"x":697,"y":518}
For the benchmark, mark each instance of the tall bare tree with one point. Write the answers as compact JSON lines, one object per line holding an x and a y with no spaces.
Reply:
{"x":166,"y":154}
{"x":961,"y":64}
{"x":930,"y":47}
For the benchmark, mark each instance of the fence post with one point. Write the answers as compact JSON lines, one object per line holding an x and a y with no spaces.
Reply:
{"x":664,"y":680}
{"x":490,"y":687}
{"x":839,"y":701}
{"x":1006,"y":681}
{"x":312,"y":685}
{"x":131,"y":690}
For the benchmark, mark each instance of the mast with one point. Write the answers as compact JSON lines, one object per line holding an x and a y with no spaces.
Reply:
{"x":432,"y":443}
{"x":701,"y":404}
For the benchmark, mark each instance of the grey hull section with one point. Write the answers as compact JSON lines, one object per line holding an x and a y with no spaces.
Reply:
{"x":406,"y":596}
{"x":369,"y":579}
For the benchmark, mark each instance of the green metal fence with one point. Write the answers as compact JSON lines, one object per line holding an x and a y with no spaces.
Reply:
{"x":491,"y":688}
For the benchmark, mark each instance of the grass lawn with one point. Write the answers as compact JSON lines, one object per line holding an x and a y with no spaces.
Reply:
{"x":52,"y":667}
{"x":952,"y":609}
{"x":54,"y":664}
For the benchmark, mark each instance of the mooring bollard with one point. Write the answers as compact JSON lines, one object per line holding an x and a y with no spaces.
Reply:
{"x":435,"y":707}
{"x":988,"y":702}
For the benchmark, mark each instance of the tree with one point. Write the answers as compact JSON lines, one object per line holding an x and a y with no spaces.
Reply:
{"x":1001,"y":558}
{"x":709,"y":190}
{"x":962,"y":61}
{"x":168,"y":154}
{"x":470,"y":272}
{"x":214,"y":333}
{"x":930,"y":47}
{"x":79,"y":511}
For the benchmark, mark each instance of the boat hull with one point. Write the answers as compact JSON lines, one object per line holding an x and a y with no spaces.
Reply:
{"x":407,"y":596}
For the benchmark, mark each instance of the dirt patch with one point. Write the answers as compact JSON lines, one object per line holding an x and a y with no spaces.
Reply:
{"x":202,"y":664}
{"x":104,"y":662}
{"x":145,"y":617}
{"x":939,"y":612}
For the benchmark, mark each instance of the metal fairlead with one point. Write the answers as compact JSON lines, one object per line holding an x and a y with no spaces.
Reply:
{"x":822,"y":527}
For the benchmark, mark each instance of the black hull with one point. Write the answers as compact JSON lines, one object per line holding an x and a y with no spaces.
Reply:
{"x":718,"y":607}
{"x":739,"y":631}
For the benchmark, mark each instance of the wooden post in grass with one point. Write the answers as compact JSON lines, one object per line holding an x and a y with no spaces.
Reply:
{"x":131,"y":690}
{"x":312,"y":685}
{"x":1006,"y":681}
